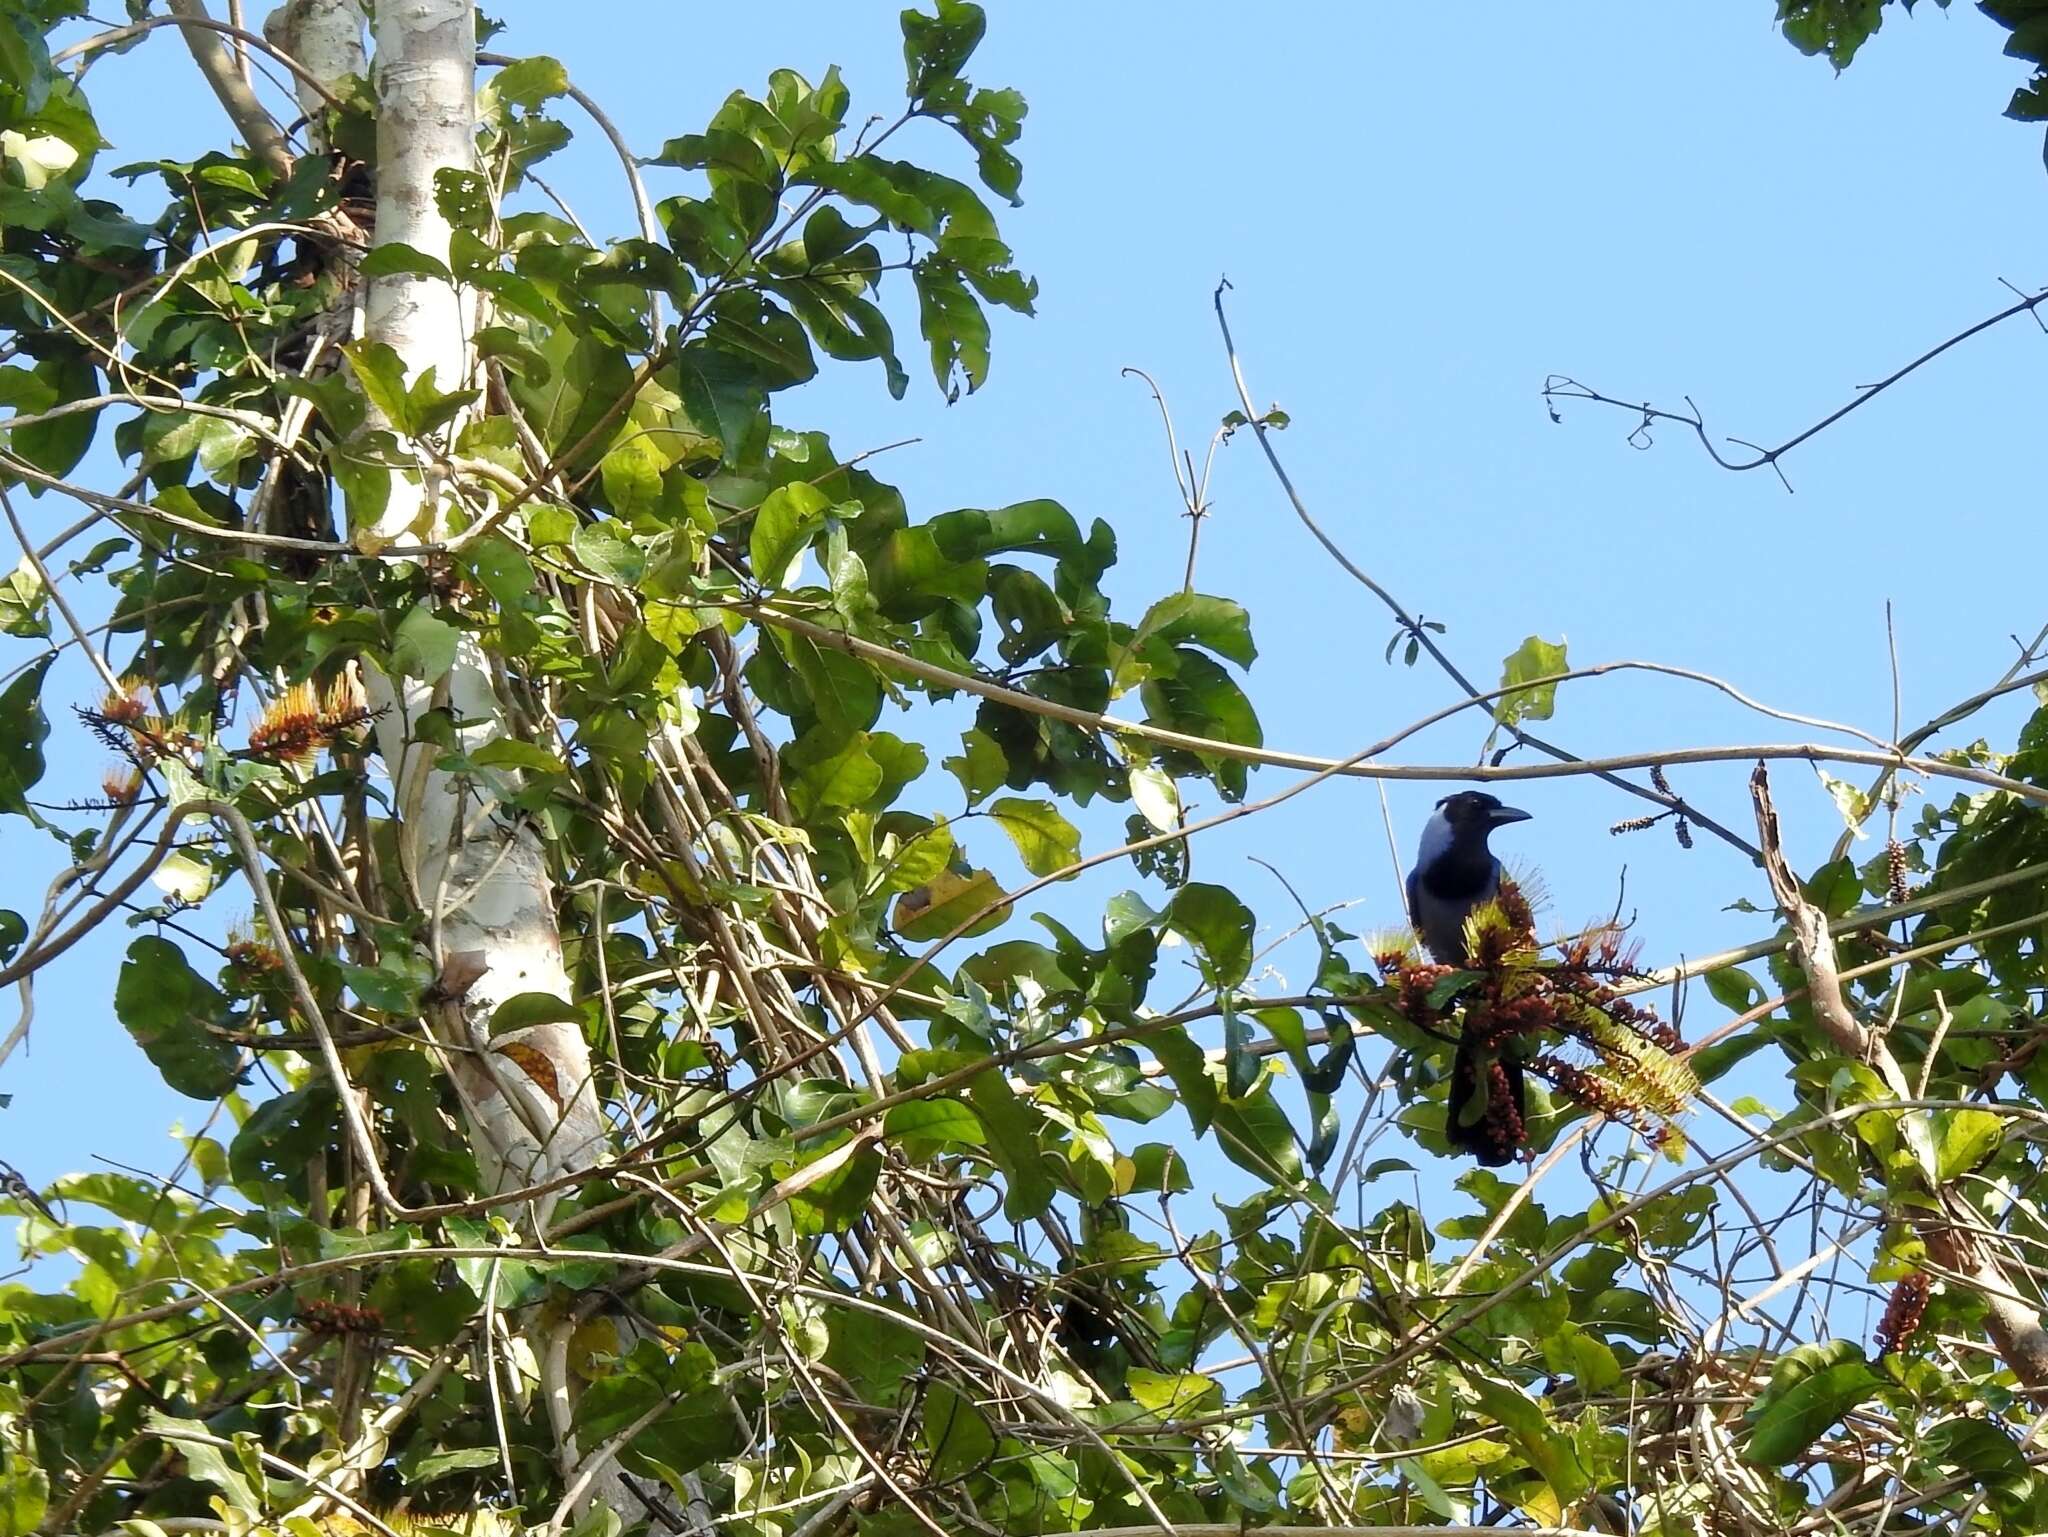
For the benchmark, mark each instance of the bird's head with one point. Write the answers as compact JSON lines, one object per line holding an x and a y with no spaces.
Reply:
{"x":1463,"y":821}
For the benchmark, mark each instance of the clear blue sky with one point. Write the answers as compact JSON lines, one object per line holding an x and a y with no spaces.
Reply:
{"x":1423,"y":214}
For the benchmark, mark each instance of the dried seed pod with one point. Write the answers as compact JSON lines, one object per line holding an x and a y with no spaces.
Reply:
{"x":1903,"y":1313}
{"x":1895,"y":871}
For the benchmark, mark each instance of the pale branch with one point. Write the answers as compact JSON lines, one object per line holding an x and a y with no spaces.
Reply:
{"x":1412,"y":623}
{"x":2015,"y":1325}
{"x":251,"y":119}
{"x":1563,"y":387}
{"x":114,"y":37}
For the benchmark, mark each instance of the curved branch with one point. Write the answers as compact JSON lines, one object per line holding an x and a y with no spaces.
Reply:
{"x":1563,"y":387}
{"x":264,"y":138}
{"x":115,"y":36}
{"x":1413,"y":625}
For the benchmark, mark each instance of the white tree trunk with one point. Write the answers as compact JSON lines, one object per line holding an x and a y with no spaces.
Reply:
{"x":479,"y":872}
{"x":327,"y":37}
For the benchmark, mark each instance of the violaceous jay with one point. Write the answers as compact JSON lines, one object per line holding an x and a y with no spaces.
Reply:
{"x":1455,"y":872}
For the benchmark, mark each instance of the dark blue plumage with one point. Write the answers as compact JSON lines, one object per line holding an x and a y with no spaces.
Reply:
{"x":1455,"y":872}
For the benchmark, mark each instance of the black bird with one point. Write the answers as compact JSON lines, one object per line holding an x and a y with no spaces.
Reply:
{"x":1455,"y":872}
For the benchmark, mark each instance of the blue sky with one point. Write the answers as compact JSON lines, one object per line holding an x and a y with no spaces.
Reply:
{"x":1422,"y":218}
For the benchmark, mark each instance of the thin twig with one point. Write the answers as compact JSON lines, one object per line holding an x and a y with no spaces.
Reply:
{"x":1413,"y":625}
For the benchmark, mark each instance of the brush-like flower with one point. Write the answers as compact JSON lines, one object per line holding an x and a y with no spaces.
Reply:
{"x":121,"y":783}
{"x":291,"y":729}
{"x":126,"y":705}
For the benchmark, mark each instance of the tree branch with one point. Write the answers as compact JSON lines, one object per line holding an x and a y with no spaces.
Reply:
{"x":1413,"y":625}
{"x":265,"y":140}
{"x":1563,"y":387}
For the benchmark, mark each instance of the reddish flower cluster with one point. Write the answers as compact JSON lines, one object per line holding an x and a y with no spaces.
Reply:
{"x":249,"y":954}
{"x":1519,"y":998}
{"x":1895,"y":871}
{"x":1579,"y":1086}
{"x":1501,"y":1130}
{"x":298,"y":722}
{"x":320,"y":1316}
{"x":1903,"y":1314}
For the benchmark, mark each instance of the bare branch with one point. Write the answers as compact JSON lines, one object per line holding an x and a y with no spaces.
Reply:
{"x":1413,"y":625}
{"x":1563,"y":387}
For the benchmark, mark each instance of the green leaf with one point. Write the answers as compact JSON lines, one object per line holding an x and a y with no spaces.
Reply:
{"x":395,"y":260}
{"x":426,"y":646}
{"x":1217,"y":924}
{"x":166,"y":1006}
{"x":1735,"y":989}
{"x":1046,"y":841}
{"x":1254,"y":1134}
{"x":24,"y":1487}
{"x":956,"y":1437}
{"x":395,"y":984}
{"x":55,"y":447}
{"x":1188,"y":1065}
{"x":927,"y":1126}
{"x":1217,"y":624}
{"x":381,"y":372}
{"x":919,"y":860}
{"x":979,"y":766}
{"x":938,"y":46}
{"x":1789,"y":1419}
{"x":1173,"y":1395}
{"x":789,"y":519}
{"x":23,"y":730}
{"x":932,"y":910}
{"x":606,"y":553}
{"x":1964,"y":1139}
{"x":1837,"y":28}
{"x":527,"y":83}
{"x":24,"y":603}
{"x":1849,"y":800}
{"x":511,"y":753}
{"x":205,"y":1461}
{"x":1549,"y":1452}
{"x":1013,"y":1140}
{"x":1534,"y":658}
{"x":953,"y":326}
{"x":850,"y":777}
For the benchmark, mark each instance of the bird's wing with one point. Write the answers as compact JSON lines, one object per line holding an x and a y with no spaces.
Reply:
{"x":1415,"y":896}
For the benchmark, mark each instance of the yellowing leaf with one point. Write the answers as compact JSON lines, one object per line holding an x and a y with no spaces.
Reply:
{"x":183,"y":877}
{"x":1534,"y":658}
{"x":1046,"y":841}
{"x":947,"y":899}
{"x":1156,"y":796}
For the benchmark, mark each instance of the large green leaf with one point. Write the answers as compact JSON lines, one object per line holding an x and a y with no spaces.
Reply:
{"x":1217,"y":924}
{"x":1534,"y":658}
{"x":1046,"y":841}
{"x":23,"y":730}
{"x":167,"y":1006}
{"x":1811,"y":1388}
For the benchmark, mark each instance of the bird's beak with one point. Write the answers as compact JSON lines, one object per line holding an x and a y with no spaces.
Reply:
{"x":1502,"y":815}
